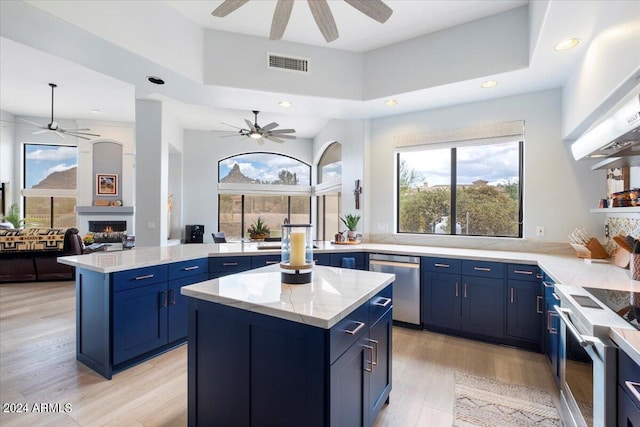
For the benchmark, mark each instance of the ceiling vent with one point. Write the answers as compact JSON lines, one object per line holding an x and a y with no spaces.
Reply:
{"x":294,"y":64}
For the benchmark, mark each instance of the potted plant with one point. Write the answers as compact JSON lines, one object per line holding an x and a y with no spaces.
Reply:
{"x":351,"y":222}
{"x":14,"y":216}
{"x":259,"y":229}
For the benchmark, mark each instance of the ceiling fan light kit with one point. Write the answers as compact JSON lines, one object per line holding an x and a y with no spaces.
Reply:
{"x":374,"y":9}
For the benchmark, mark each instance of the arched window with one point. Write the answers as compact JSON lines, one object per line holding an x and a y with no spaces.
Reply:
{"x":330,"y":164}
{"x":272,"y":186}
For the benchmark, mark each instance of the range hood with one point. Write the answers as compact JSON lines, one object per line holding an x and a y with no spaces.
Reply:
{"x":616,"y":137}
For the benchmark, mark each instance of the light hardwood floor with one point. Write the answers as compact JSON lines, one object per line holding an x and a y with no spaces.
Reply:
{"x":37,"y":365}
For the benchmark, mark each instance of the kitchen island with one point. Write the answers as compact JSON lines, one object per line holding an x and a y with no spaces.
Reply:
{"x":263,"y":353}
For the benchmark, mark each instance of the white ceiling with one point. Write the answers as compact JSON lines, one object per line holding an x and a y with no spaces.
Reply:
{"x":25,"y":72}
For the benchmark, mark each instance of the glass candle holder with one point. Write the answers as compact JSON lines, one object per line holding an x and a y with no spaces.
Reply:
{"x":297,"y":253}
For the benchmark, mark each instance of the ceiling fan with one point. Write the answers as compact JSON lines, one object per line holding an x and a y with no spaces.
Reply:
{"x":374,"y":9}
{"x":54,"y":127}
{"x":260,"y":133}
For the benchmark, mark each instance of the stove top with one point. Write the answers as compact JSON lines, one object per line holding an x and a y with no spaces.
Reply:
{"x":625,"y":304}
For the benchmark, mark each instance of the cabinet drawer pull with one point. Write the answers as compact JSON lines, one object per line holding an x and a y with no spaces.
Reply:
{"x":370,"y":361}
{"x":163,"y":299}
{"x":529,"y":273}
{"x":538,"y":276}
{"x":387,"y":301}
{"x":172,"y":295}
{"x":465,"y":290}
{"x":271,"y":262}
{"x":441,"y":265}
{"x":550,"y":328}
{"x":195,"y":267}
{"x":355,"y":331}
{"x":556,"y":296}
{"x":511,"y":295}
{"x":229,"y":264}
{"x":457,"y":286}
{"x":547,"y":284}
{"x":632,"y":386}
{"x":375,"y":359}
{"x":538,"y":300}
{"x":481,"y":269}
{"x":146,"y":276}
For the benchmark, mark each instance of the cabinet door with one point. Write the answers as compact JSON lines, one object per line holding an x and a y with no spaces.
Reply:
{"x":441,"y":300}
{"x":483,"y":305}
{"x":628,"y":412}
{"x":380,"y":381}
{"x":349,"y":389}
{"x":524,"y":310}
{"x":178,"y":306}
{"x":139,"y":321}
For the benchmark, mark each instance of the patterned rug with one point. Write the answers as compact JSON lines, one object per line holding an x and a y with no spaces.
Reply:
{"x":486,"y":402}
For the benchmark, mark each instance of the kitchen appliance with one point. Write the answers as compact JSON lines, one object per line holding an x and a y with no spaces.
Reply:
{"x":194,"y":233}
{"x":406,"y":287}
{"x":588,"y":357}
{"x":616,"y":135}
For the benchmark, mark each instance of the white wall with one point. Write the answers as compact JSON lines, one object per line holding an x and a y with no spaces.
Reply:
{"x":202,"y":151}
{"x":558,"y":191}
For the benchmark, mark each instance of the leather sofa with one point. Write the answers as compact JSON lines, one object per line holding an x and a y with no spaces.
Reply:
{"x":31,"y":254}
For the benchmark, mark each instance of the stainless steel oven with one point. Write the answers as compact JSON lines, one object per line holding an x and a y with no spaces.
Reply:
{"x":587,"y":358}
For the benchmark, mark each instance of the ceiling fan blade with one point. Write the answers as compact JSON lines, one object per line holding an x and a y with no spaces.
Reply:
{"x":227,"y":124}
{"x":260,"y":141}
{"x":81,"y":136}
{"x":251,"y":125}
{"x":324,"y":18}
{"x":280,"y":19}
{"x":282,"y":131}
{"x":274,"y":139}
{"x":41,"y":131}
{"x":227,"y":7}
{"x":269,"y":126}
{"x":76,"y":133}
{"x":281,"y":136}
{"x":374,"y":9}
{"x":32,"y":123}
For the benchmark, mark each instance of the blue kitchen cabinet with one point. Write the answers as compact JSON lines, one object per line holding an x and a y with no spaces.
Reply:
{"x":272,"y":371}
{"x":525,"y":302}
{"x":628,"y":380}
{"x":482,"y":306}
{"x":264,"y":260}
{"x":322,"y":259}
{"x":463,"y":296}
{"x":223,"y":266}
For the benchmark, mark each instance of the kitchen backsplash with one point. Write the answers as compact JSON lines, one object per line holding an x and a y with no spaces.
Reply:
{"x":621,"y":226}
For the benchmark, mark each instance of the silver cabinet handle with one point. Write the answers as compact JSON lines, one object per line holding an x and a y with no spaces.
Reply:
{"x":375,"y":343}
{"x":441,"y":265}
{"x":548,"y":285}
{"x":146,"y":276}
{"x":271,"y":262}
{"x":529,"y":273}
{"x":370,"y":359}
{"x":465,"y":290}
{"x":172,"y":293}
{"x":355,"y":331}
{"x":481,"y":269}
{"x":632,"y":388}
{"x":227,"y":264}
{"x":538,"y":276}
{"x":550,"y":328}
{"x":556,"y":296}
{"x":511,"y":295}
{"x":195,"y":267}
{"x":163,"y":299}
{"x":387,"y":301}
{"x":538,"y":299}
{"x":457,"y":290}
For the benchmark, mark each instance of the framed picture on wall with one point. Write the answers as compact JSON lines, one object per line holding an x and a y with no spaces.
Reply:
{"x":107,"y":184}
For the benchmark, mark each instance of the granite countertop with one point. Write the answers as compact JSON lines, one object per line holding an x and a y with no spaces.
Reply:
{"x":332,"y":294}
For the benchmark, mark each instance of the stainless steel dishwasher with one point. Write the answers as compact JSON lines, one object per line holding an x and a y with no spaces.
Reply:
{"x":406,"y":288}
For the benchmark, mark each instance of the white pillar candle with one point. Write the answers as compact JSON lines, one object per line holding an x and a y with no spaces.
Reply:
{"x":298,"y":243}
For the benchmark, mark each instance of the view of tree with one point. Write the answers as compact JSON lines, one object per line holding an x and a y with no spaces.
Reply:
{"x":408,"y":177}
{"x":488,"y":210}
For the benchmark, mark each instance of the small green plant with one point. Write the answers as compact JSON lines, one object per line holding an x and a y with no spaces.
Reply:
{"x":259,"y":228}
{"x":14,"y":216}
{"x":350,"y":221}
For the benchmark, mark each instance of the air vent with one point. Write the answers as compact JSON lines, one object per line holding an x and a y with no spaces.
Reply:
{"x":294,"y":64}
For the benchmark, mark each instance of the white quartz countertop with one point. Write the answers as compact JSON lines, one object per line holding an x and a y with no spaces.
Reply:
{"x":332,"y":294}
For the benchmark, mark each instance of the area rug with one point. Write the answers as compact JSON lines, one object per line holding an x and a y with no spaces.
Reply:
{"x":486,"y":402}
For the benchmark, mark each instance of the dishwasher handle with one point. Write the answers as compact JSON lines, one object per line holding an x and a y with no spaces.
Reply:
{"x":394,"y":264}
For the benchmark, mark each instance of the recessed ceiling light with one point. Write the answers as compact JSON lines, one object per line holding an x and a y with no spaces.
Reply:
{"x":155,"y":80}
{"x":391,"y":102}
{"x":566,"y":44}
{"x":488,"y":84}
{"x":96,"y":111}
{"x":285,"y":104}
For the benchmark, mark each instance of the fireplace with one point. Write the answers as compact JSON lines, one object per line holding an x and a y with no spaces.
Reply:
{"x":107,"y":226}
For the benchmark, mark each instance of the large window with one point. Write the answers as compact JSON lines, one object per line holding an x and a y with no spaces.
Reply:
{"x":272,"y":186}
{"x":329,"y":172}
{"x":477,"y":183}
{"x":50,"y":185}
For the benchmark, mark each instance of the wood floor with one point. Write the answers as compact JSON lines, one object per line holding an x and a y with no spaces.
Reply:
{"x":38,"y":366}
